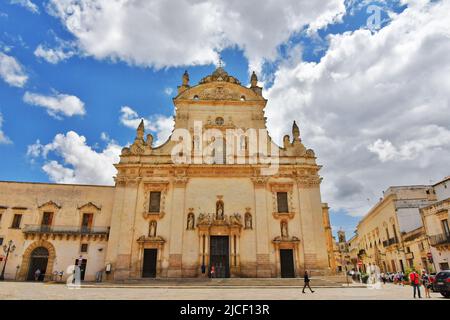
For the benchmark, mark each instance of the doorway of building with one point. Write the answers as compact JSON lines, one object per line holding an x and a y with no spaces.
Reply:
{"x":220,"y":256}
{"x":287,"y":263}
{"x":149,"y":266}
{"x":82,"y":266}
{"x":39,"y":260}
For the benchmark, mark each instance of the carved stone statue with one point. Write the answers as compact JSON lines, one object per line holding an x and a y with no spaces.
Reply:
{"x":236,"y":218}
{"x":248,"y":221}
{"x":203,"y":218}
{"x":149,"y":141}
{"x":190,"y":221}
{"x":219,"y":210}
{"x":284,"y":229}
{"x":286,"y":142}
{"x":152,"y":229}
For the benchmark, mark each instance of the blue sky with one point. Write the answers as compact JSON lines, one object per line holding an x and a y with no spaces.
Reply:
{"x":312,"y":42}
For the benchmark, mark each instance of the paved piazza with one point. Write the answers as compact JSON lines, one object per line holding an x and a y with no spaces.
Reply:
{"x":27,"y":290}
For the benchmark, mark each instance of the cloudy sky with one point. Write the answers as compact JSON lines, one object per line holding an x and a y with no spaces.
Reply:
{"x":367,"y":81}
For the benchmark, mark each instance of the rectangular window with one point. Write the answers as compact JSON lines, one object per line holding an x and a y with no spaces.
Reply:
{"x":1,"y":241}
{"x":282,"y":201}
{"x":155,"y":201}
{"x":86,"y":223}
{"x":47,"y":219}
{"x":84,"y":248}
{"x":16,"y":221}
{"x":445,"y":227}
{"x":0,"y":220}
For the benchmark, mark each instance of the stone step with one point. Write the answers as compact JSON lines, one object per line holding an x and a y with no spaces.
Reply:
{"x":223,"y":282}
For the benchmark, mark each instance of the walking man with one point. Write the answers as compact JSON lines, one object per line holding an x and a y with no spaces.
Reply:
{"x":306,"y":280}
{"x":415,"y":282}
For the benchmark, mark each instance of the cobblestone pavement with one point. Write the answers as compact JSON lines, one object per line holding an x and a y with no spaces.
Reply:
{"x":27,"y":290}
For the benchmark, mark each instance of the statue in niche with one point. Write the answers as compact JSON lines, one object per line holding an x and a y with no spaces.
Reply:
{"x":219,"y":210}
{"x":190,"y":221}
{"x":248,"y":220}
{"x":152,"y":229}
{"x":284,"y":229}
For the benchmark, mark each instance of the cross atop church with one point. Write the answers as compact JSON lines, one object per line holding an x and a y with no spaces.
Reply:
{"x":220,"y":61}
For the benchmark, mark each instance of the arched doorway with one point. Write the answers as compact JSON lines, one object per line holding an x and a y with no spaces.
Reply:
{"x":27,"y":259}
{"x":38,"y":260}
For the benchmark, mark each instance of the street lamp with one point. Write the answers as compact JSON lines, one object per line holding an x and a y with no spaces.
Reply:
{"x":7,"y":249}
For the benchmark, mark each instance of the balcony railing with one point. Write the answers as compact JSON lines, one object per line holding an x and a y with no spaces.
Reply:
{"x":439,"y":239}
{"x":65,"y":230}
{"x":389,"y":242}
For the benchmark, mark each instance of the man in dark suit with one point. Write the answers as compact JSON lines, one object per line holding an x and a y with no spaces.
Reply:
{"x":306,"y":280}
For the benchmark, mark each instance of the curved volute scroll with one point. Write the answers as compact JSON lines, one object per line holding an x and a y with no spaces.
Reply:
{"x":140,"y":146}
{"x":296,"y":147}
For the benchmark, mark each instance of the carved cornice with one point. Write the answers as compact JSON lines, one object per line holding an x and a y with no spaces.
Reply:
{"x":50,"y":204}
{"x":90,"y":205}
{"x":281,"y":186}
{"x":283,"y":215}
{"x":153,"y":240}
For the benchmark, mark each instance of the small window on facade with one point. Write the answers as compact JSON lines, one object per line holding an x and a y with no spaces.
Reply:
{"x":86,"y":222}
{"x":84,"y":248}
{"x":155,"y":201}
{"x":0,"y":219}
{"x":282,"y":201}
{"x":47,"y":219}
{"x":219,"y":121}
{"x":445,"y":227}
{"x":16,"y":221}
{"x":196,"y":97}
{"x":1,"y":241}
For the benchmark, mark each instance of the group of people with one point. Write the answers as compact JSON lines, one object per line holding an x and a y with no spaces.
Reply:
{"x":418,"y":280}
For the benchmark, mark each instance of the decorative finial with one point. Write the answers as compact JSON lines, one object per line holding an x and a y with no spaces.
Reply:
{"x":140,"y":130}
{"x":185,"y":79}
{"x":220,"y":61}
{"x":254,"y":80}
{"x":295,"y":131}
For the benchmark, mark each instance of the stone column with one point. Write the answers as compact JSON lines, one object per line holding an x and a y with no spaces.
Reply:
{"x":263,"y":269}
{"x":176,"y":228}
{"x":122,"y":234}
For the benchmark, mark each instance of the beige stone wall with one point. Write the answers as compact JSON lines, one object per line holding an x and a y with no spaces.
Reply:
{"x":26,"y":198}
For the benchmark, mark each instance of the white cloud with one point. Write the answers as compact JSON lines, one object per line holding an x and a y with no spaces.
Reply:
{"x":11,"y":71}
{"x":52,"y":55}
{"x":168,"y":91}
{"x":3,"y":138}
{"x":375,"y":108}
{"x":26,"y":4}
{"x":172,"y":33}
{"x":56,"y":104}
{"x":80,"y":162}
{"x":159,"y":124}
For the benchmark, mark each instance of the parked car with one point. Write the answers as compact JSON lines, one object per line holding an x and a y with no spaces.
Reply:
{"x":442,"y":283}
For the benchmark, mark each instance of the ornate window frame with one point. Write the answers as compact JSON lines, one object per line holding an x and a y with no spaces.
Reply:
{"x":88,"y":208}
{"x":160,"y":186}
{"x":287,"y":187}
{"x":49,"y":206}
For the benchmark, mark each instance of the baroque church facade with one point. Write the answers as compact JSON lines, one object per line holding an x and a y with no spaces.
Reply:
{"x":183,"y":208}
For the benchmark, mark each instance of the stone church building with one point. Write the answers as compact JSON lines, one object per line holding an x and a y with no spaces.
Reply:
{"x":181,"y":209}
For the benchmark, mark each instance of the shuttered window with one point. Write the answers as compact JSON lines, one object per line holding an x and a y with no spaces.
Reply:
{"x":16,"y":221}
{"x":155,"y":201}
{"x":282,"y":201}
